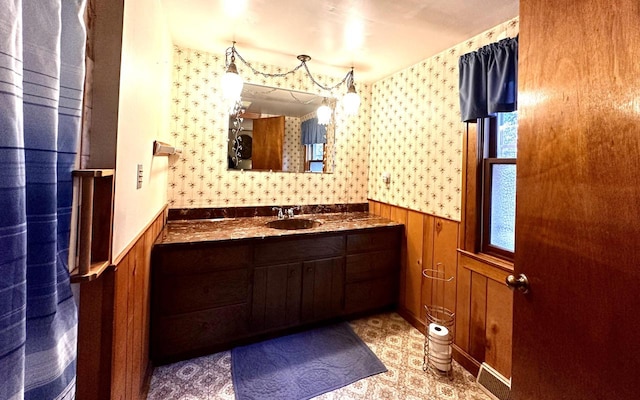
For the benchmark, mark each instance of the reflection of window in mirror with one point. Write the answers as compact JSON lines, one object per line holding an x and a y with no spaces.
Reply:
{"x":314,"y":157}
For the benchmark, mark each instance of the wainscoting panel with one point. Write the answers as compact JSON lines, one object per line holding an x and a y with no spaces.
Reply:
{"x":113,"y":336}
{"x":482,"y":302}
{"x":415,"y":234}
{"x":478,"y":316}
{"x":499,"y":320}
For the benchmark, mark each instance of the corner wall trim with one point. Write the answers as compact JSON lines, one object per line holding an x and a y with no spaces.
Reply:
{"x":126,"y":250}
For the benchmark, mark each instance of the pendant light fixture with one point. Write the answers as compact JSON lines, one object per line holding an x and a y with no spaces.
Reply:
{"x":231,"y":80}
{"x":351,"y":100}
{"x":324,"y":113}
{"x":232,"y":83}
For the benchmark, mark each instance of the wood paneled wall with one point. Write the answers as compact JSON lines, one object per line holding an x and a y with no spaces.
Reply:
{"x":113,"y":332}
{"x":478,"y":295}
{"x":484,"y":312}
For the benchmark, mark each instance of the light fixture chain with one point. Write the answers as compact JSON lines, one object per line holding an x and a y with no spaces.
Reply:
{"x":266,"y":75}
{"x":327,"y":88}
{"x":231,"y":51}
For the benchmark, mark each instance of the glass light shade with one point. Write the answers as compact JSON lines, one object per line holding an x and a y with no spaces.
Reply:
{"x":324,"y":114}
{"x":351,"y":103}
{"x":231,"y":85}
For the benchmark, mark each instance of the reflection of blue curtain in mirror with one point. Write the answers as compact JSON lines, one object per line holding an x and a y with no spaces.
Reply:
{"x":312,"y":132}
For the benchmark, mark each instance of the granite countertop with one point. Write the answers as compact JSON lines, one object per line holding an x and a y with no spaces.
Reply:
{"x":213,"y":230}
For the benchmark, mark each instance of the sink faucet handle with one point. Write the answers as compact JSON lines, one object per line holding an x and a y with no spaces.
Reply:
{"x":279,"y":210}
{"x":290,"y":212}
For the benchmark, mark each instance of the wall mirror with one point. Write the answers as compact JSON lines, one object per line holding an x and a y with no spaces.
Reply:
{"x":280,"y":132}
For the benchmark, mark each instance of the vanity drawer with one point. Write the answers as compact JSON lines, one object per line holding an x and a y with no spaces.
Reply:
{"x":298,"y":249}
{"x":200,"y":258}
{"x":372,"y":265}
{"x":198,"y":332}
{"x":185,"y":293}
{"x":376,"y":240}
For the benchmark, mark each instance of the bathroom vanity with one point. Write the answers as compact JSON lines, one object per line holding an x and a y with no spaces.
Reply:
{"x":219,"y":283}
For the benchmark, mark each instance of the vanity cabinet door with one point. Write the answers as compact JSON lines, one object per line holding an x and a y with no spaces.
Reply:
{"x":276,"y":296}
{"x":322,"y":289}
{"x":372,"y":270}
{"x":371,"y":281}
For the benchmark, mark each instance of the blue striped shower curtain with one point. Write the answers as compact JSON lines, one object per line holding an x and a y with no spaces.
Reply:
{"x":41,"y":80}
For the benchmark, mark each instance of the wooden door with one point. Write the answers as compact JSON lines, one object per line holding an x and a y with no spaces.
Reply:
{"x":268,"y":139}
{"x":577,"y":332}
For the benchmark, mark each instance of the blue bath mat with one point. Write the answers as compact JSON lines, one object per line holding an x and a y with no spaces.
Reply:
{"x":303,"y":365}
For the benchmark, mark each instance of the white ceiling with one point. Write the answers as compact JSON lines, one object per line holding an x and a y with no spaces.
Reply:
{"x":377,"y":37}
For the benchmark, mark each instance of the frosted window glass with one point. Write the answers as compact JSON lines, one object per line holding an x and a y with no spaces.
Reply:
{"x":507,"y":143}
{"x":503,"y":206}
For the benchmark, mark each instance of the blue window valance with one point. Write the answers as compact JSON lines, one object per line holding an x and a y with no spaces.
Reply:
{"x":489,"y":80}
{"x":313,"y":133}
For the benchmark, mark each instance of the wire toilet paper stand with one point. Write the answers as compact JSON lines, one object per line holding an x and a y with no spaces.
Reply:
{"x":439,"y":325}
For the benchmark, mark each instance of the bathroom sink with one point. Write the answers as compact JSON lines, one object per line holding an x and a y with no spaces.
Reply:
{"x":293,"y":223}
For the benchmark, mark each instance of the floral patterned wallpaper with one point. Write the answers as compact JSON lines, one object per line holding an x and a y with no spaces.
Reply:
{"x":416,"y":132}
{"x":199,"y":123}
{"x":408,"y":126}
{"x":293,"y":150}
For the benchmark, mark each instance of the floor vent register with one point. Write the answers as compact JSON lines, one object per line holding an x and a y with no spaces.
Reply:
{"x":493,"y":384}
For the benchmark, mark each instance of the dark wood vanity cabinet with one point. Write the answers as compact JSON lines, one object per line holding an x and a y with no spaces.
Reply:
{"x":210,"y":296}
{"x":199,"y":298}
{"x":372,"y":270}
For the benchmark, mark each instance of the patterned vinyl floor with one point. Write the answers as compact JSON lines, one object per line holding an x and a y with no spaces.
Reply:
{"x":395,"y":342}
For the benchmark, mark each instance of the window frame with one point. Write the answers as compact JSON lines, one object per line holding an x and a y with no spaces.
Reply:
{"x":487,"y":145}
{"x":308,"y":154}
{"x":485,"y":216}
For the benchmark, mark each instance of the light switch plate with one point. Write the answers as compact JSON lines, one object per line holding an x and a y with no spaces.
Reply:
{"x":139,"y":177}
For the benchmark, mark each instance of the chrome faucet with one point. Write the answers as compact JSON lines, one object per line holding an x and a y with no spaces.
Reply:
{"x":280,"y":212}
{"x":284,"y":213}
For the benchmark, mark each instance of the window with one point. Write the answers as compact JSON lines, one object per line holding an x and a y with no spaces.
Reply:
{"x":314,"y":157}
{"x":498,"y":137}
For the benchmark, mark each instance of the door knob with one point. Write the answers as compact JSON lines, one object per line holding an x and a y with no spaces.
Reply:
{"x":521,"y":283}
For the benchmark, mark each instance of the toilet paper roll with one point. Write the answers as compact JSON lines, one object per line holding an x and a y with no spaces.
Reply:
{"x":438,"y":332}
{"x":439,"y":347}
{"x":439,"y":337}
{"x":442,"y":366}
{"x":444,"y":356}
